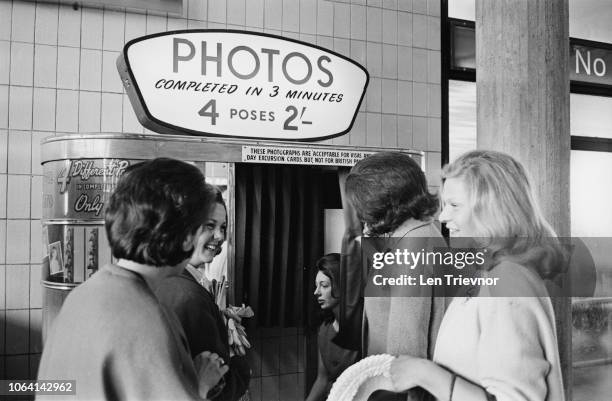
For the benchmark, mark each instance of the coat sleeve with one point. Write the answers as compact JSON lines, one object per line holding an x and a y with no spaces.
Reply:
{"x":512,"y":357}
{"x":188,"y":301}
{"x":205,"y":330}
{"x":151,"y":363}
{"x":237,"y":379}
{"x":352,"y":278}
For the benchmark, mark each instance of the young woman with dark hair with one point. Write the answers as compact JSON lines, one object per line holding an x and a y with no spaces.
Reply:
{"x":112,"y":336}
{"x":190,"y":296}
{"x":156,"y":206}
{"x":333,"y":360}
{"x":389,"y":193}
{"x":389,"y":190}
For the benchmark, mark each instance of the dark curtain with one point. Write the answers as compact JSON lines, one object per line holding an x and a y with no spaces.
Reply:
{"x":352,"y":276}
{"x":279,"y":237}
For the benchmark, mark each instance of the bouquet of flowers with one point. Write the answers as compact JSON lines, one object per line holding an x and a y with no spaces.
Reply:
{"x":235,"y":330}
{"x":233,"y":315}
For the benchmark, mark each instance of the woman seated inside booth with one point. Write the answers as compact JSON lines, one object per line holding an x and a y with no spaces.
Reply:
{"x":333,"y":360}
{"x":112,"y":336}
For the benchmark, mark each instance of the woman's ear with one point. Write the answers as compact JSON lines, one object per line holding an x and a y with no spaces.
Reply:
{"x":191,"y":239}
{"x":188,"y":243}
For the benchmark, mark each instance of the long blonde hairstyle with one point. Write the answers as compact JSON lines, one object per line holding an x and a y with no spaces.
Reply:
{"x":505,"y":211}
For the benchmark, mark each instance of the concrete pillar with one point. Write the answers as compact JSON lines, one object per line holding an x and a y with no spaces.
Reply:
{"x":522,"y":56}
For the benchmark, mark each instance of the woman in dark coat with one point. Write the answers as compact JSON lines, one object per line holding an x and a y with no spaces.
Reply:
{"x":191,"y":298}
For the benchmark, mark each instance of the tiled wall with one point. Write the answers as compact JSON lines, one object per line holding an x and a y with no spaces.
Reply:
{"x":58,"y":75}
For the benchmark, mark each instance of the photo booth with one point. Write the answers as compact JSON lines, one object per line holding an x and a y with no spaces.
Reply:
{"x":284,"y":213}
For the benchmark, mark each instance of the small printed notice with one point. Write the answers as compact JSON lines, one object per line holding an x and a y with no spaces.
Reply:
{"x":296,"y":155}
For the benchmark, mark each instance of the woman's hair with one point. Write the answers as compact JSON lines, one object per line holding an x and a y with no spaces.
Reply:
{"x":219,"y":196}
{"x":387,"y":189}
{"x":155,"y":206}
{"x":220,"y":201}
{"x":329,"y":265}
{"x":504,"y":210}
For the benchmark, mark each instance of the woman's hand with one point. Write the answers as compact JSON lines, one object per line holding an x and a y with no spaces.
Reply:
{"x":406,"y":372}
{"x":210,"y":369}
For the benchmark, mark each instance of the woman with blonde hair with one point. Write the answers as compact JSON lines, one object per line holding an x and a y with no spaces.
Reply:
{"x":498,"y":345}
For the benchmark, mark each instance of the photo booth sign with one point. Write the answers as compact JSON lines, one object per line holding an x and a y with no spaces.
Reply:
{"x":240,"y":84}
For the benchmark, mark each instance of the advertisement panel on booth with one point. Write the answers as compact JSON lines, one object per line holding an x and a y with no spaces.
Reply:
{"x":79,"y":188}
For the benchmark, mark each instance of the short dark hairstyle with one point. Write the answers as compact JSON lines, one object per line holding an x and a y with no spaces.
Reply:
{"x":155,"y":206}
{"x":388,"y":188}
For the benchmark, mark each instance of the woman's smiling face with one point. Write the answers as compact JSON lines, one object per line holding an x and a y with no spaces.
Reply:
{"x":211,"y":238}
{"x":457,"y":208}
